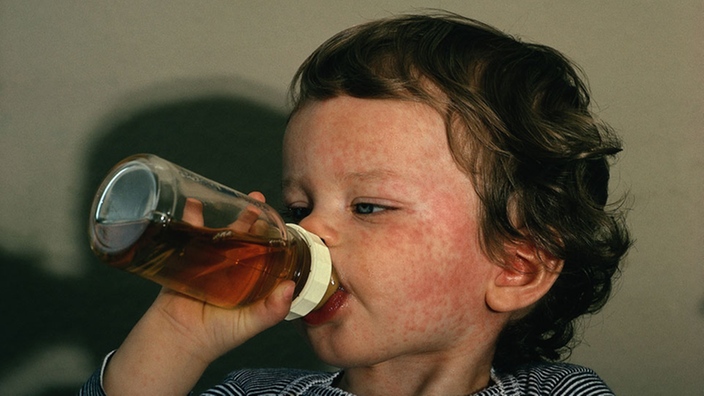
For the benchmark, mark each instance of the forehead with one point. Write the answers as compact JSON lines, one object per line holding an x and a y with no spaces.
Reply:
{"x":366,"y":129}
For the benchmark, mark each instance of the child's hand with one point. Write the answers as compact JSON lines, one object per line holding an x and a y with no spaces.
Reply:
{"x":178,"y":337}
{"x":207,"y":331}
{"x":219,"y":330}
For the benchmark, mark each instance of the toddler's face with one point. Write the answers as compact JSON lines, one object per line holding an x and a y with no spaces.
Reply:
{"x":375,"y":180}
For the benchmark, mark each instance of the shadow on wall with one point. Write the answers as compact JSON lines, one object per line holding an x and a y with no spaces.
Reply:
{"x":46,"y":335}
{"x":230,"y":139}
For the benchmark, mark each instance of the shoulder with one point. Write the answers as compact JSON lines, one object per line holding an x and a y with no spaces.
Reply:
{"x":554,"y":379}
{"x":275,"y":382}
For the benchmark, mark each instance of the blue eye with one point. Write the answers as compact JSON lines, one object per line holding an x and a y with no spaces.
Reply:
{"x":367,"y":208}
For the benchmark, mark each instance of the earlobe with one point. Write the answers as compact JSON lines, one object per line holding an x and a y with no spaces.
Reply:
{"x":527,"y":275}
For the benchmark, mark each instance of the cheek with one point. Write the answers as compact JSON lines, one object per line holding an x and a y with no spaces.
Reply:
{"x":434,"y":278}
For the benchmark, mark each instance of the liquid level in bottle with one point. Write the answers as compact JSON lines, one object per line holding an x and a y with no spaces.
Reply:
{"x":219,"y":266}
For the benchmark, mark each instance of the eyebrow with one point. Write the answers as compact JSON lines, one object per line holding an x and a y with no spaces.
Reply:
{"x":364,"y":176}
{"x":375,"y":174}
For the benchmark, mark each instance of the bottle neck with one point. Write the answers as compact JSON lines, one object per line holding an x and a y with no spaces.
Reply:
{"x":317,"y":287}
{"x":300,"y":261}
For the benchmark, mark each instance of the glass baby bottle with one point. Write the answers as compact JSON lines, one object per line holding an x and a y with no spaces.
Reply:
{"x":164,"y":223}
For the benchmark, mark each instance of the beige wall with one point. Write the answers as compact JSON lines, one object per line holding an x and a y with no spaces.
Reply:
{"x":66,"y":66}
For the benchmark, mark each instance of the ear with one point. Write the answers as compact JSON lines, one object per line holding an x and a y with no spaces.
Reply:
{"x":527,"y":275}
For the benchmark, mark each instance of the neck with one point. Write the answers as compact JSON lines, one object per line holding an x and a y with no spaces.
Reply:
{"x":461,"y":373}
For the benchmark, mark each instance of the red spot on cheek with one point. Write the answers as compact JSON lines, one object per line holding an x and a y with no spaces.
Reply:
{"x":439,"y":288}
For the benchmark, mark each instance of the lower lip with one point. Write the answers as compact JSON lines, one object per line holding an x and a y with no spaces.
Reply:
{"x":327,"y":311}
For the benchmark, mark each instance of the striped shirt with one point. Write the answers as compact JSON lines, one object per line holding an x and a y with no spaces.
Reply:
{"x":554,"y":379}
{"x":545,"y":379}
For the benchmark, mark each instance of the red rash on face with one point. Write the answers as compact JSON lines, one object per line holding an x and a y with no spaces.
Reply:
{"x":413,"y":273}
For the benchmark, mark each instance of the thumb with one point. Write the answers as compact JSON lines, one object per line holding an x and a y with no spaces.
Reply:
{"x":275,"y":307}
{"x":279,"y":301}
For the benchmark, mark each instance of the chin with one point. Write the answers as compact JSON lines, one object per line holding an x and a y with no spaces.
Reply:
{"x":345,"y":355}
{"x":330,"y":351}
{"x":346,"y":361}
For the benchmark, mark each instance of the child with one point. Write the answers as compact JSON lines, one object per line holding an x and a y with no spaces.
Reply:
{"x":460,"y":182}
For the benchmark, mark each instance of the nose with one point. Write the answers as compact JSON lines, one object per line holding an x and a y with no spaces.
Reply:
{"x":321,"y":226}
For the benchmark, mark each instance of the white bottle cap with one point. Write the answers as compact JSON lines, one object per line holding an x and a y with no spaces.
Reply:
{"x":318,"y":279}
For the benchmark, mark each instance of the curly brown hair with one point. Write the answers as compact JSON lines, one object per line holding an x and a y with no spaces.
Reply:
{"x":519,"y":124}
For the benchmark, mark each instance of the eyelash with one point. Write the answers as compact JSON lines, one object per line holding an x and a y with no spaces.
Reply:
{"x":294,"y":214}
{"x":298,"y":213}
{"x":357,"y":208}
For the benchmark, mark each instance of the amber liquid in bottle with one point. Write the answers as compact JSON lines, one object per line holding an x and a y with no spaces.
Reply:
{"x":219,"y":266}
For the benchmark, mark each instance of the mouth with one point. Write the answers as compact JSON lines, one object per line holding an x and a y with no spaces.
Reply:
{"x":328,"y":310}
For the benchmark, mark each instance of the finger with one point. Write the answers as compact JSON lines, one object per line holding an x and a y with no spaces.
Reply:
{"x":246,"y":219}
{"x":193,"y":212}
{"x":260,"y":227}
{"x":273,"y":309}
{"x":257,"y":195}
